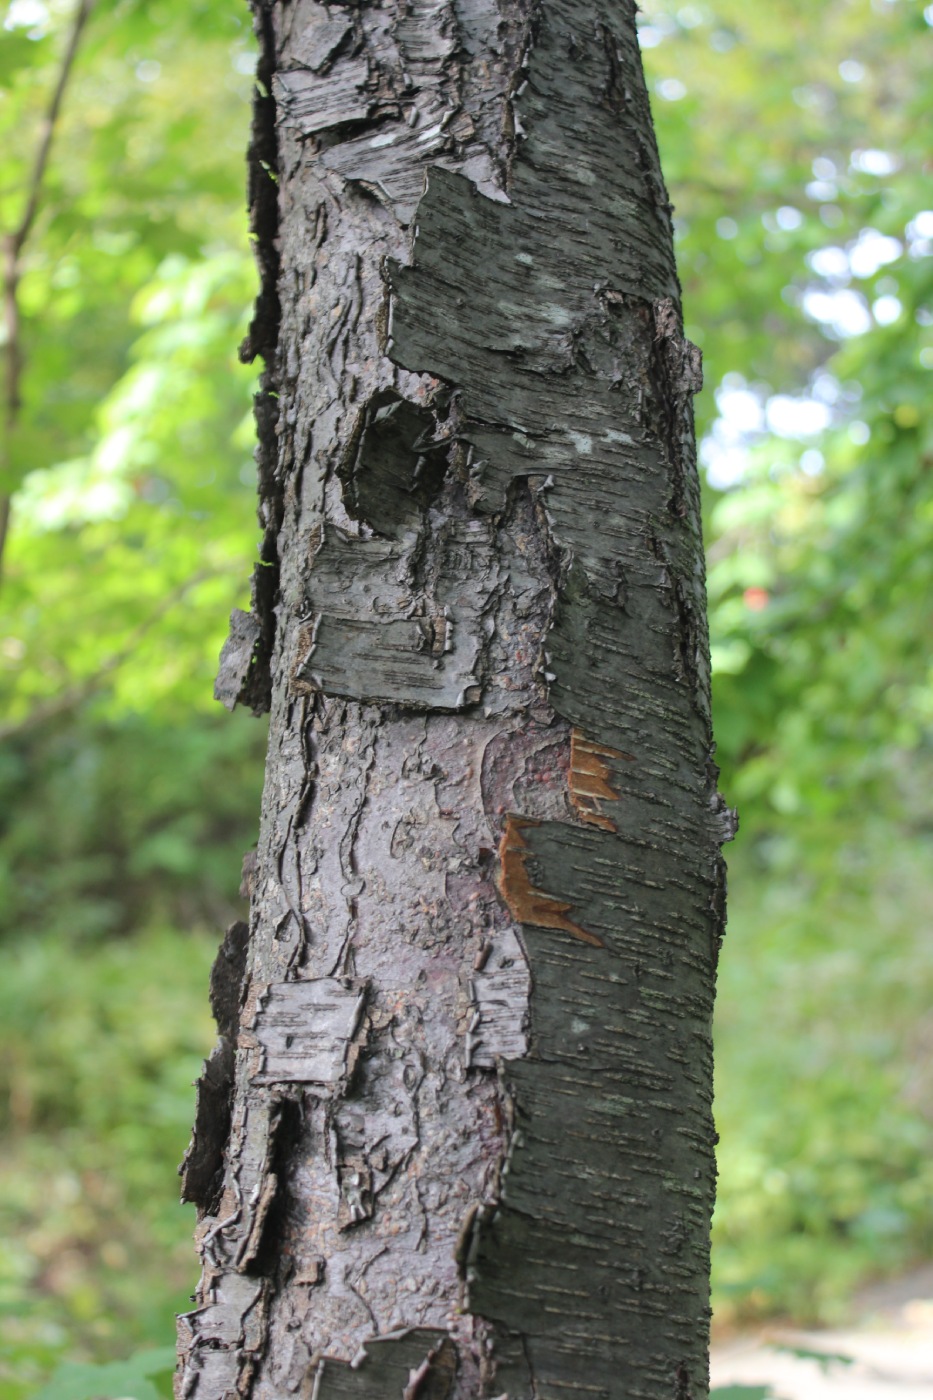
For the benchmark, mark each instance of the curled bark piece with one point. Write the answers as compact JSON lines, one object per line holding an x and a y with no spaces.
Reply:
{"x":237,"y":659}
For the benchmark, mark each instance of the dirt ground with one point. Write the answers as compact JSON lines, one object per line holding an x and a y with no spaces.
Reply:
{"x":890,"y":1351}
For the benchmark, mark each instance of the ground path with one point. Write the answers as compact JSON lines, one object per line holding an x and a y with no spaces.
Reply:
{"x":890,"y":1346}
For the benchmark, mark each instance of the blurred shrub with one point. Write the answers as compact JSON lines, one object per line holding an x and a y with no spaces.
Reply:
{"x":147,"y":1375}
{"x":823,"y":1081}
{"x":108,"y":826}
{"x":99,"y":1045}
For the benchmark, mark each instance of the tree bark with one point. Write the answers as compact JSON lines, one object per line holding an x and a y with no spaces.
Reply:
{"x":455,"y":1140}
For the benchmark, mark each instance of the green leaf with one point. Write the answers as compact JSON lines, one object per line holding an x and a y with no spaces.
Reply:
{"x":742,"y":1392}
{"x":116,"y":1380}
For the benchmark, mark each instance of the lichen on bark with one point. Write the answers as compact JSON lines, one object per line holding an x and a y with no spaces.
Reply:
{"x":467,"y":1141}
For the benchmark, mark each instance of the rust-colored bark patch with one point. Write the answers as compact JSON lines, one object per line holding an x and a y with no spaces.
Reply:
{"x":526,"y":904}
{"x":589,"y":779}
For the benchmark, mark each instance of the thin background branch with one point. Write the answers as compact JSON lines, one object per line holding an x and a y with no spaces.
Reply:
{"x":75,"y":694}
{"x":15,"y":241}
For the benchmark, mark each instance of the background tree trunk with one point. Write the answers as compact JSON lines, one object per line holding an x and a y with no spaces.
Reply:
{"x":455,"y":1139}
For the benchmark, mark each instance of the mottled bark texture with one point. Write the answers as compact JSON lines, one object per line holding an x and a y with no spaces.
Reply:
{"x":455,"y":1140}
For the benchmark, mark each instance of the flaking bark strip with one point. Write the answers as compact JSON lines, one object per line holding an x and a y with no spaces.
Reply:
{"x":259,"y":1250}
{"x":237,"y":659}
{"x":252,"y":1243}
{"x":500,"y":992}
{"x":316,"y":34}
{"x":312,"y":103}
{"x":221,"y":1339}
{"x":527,"y":904}
{"x":305,"y":1032}
{"x":388,"y":623}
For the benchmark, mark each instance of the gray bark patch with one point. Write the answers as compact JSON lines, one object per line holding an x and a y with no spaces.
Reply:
{"x":416,"y":1365}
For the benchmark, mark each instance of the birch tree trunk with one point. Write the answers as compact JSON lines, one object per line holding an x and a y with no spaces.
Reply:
{"x":455,"y":1140}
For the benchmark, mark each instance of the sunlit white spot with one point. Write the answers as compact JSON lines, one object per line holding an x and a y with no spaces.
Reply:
{"x":851,"y":71}
{"x":724,"y":466}
{"x":859,"y":432}
{"x":812,"y":462}
{"x":741,"y":409}
{"x":921,"y":225}
{"x":872,"y":250}
{"x":724,"y":451}
{"x":874,"y":162}
{"x":844,"y":312}
{"x":830,"y":262}
{"x":791,"y":417}
{"x":727,"y":228}
{"x":788,"y":217}
{"x":886,"y":310}
{"x":27,"y":14}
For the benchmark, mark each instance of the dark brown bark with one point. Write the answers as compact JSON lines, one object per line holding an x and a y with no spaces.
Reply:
{"x":455,"y":1141}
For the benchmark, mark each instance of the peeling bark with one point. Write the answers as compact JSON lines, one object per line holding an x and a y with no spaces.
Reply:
{"x":456,"y":1140}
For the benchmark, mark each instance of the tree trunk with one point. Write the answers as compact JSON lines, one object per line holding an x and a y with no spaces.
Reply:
{"x":455,"y":1140}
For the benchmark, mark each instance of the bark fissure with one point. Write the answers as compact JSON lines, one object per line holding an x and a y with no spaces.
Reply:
{"x":468,"y":1132}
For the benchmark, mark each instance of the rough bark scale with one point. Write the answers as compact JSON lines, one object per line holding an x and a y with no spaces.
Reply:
{"x":463,"y":1146}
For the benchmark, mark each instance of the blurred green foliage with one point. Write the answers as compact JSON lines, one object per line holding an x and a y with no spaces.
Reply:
{"x":147,"y":1375}
{"x":795,"y":143}
{"x":101,"y":1041}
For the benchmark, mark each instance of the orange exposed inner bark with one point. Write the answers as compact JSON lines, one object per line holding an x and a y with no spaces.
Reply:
{"x":589,"y":779}
{"x":528,"y":905}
